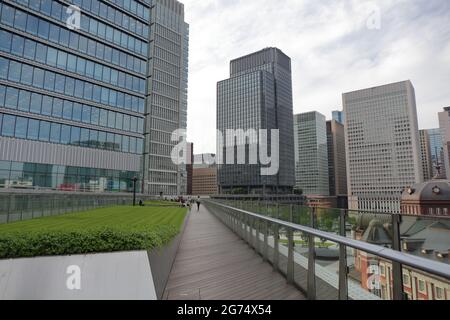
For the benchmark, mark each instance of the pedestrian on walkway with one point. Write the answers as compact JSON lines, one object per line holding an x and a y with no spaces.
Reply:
{"x":198,"y":204}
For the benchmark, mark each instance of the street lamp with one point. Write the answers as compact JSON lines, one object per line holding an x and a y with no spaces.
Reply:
{"x":135,"y":179}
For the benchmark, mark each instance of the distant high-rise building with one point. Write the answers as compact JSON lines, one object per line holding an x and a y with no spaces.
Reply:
{"x":166,"y":97}
{"x":337,"y":164}
{"x":258,"y":95}
{"x":437,"y":150}
{"x":190,"y":167}
{"x":382,"y":146}
{"x":311,"y":155}
{"x":425,"y":151}
{"x":339,"y":116}
{"x":444,"y":124}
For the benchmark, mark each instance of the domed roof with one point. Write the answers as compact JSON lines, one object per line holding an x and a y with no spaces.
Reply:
{"x":433,"y":190}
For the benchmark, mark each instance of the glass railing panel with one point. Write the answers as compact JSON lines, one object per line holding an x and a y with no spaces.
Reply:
{"x":374,"y":228}
{"x":326,"y":269}
{"x":301,"y":256}
{"x":283,"y":250}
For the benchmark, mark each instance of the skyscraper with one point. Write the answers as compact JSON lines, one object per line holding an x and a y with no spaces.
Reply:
{"x":72,"y":100}
{"x":437,"y":150}
{"x":311,"y":155}
{"x":167,"y":97}
{"x":338,"y":116}
{"x":425,"y":151}
{"x":258,"y":95}
{"x":382,"y":145}
{"x":444,"y":124}
{"x":337,"y":164}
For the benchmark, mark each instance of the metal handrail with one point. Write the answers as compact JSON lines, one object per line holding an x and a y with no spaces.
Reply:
{"x":433,"y":267}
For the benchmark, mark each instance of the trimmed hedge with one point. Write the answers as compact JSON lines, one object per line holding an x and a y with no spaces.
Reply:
{"x":51,"y":243}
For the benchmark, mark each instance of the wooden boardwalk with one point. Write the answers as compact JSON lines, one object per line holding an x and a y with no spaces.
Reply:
{"x":214,"y":264}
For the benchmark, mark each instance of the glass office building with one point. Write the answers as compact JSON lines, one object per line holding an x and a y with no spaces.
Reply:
{"x":258,"y":95}
{"x":73,"y":101}
{"x":311,"y":154}
{"x":437,"y":149}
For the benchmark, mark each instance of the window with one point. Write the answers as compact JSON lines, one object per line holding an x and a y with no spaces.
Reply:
{"x":12,"y":95}
{"x":440,"y":293}
{"x":14,"y":71}
{"x":75,"y":136}
{"x":8,"y":125}
{"x":67,"y":110}
{"x":93,"y":138}
{"x":65,"y":134}
{"x":32,"y":25}
{"x":95,"y":114}
{"x":57,"y":108}
{"x":41,"y":53}
{"x":76,"y":116}
{"x":52,"y":56}
{"x":44,"y":29}
{"x":4,"y":64}
{"x":5,"y":41}
{"x":103,"y":118}
{"x":84,"y":140}
{"x":21,"y":128}
{"x":24,"y":100}
{"x":54,"y":33}
{"x":86,"y":114}
{"x":60,"y":82}
{"x":36,"y":101}
{"x":30,"y":49}
{"x":33,"y":129}
{"x":49,"y":82}
{"x":2,"y":95}
{"x":44,"y":131}
{"x":17,"y":46}
{"x":62,"y":60}
{"x":47,"y":103}
{"x":406,"y":280}
{"x":7,"y":15}
{"x":55,"y":132}
{"x":38,"y":78}
{"x":111,"y":119}
{"x":422,"y":286}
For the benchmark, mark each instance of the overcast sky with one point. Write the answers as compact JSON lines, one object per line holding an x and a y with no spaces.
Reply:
{"x":336,"y":46}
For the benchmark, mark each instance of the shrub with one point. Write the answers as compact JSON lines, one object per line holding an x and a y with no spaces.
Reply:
{"x":51,"y":243}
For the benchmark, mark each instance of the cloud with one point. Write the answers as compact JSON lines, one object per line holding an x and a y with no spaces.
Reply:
{"x":332,"y":51}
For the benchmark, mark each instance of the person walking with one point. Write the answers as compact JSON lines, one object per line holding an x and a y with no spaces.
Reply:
{"x":198,"y":204}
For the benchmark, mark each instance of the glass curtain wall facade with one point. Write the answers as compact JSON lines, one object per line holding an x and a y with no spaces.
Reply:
{"x":258,"y":95}
{"x":437,"y":150}
{"x":72,"y":101}
{"x":311,"y":154}
{"x":167,"y":98}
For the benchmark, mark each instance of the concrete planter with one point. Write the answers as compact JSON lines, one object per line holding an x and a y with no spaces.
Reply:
{"x":137,"y":275}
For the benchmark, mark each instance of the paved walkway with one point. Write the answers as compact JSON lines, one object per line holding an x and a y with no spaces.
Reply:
{"x":214,"y":264}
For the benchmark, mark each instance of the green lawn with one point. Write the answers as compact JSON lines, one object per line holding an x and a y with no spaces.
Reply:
{"x":119,"y":228}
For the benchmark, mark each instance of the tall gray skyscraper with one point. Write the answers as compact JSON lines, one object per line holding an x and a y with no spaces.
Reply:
{"x":258,"y":95}
{"x":444,"y":124}
{"x":167,"y":98}
{"x":382,"y":145}
{"x":337,"y":161}
{"x":311,"y":156}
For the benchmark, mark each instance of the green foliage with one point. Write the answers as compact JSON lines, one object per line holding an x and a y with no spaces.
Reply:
{"x":102,"y":230}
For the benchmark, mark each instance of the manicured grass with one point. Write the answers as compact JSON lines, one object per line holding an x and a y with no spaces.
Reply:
{"x":119,"y":228}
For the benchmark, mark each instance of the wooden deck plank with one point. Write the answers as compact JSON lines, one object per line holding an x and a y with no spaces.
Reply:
{"x":215,"y":264}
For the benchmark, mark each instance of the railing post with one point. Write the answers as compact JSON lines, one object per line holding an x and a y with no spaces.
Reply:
{"x":312,"y":259}
{"x":276,"y":238}
{"x":343,"y":269}
{"x":266,"y":241}
{"x":290,"y":262}
{"x":397,"y":269}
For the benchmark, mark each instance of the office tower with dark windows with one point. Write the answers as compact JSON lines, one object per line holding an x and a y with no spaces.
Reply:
{"x":258,"y":95}
{"x":444,"y":124}
{"x":337,"y":161}
{"x":167,"y":98}
{"x":437,"y":150}
{"x":382,"y":146}
{"x":425,"y":152}
{"x":72,"y":100}
{"x":311,"y":155}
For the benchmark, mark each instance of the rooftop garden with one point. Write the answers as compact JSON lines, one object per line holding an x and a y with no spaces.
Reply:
{"x":112,"y":229}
